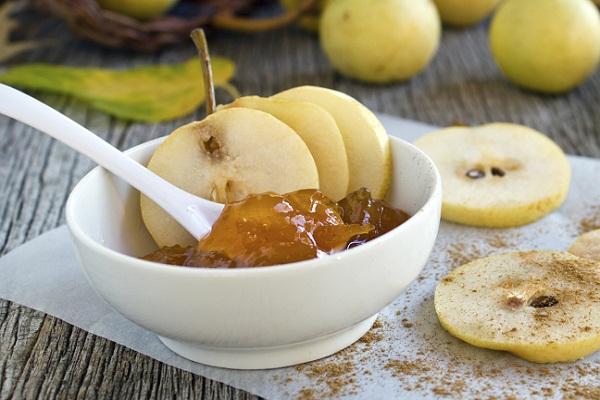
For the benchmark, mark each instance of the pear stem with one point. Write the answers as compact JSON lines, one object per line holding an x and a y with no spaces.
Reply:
{"x":199,"y":39}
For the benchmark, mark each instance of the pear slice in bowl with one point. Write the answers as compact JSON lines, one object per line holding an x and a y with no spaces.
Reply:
{"x":225,"y":157}
{"x":365,"y":138}
{"x":320,"y":133}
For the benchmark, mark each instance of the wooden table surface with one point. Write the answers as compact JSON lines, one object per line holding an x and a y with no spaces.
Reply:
{"x":43,"y":357}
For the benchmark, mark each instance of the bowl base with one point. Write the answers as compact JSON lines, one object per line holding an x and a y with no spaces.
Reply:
{"x":270,"y":357}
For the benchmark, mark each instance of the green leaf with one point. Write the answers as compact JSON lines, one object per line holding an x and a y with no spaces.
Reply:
{"x":148,"y":94}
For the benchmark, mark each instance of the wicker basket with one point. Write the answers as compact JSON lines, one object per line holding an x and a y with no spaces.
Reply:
{"x":111,"y":29}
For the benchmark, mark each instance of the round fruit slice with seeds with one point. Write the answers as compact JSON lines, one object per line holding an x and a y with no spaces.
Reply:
{"x":542,"y":306}
{"x":497,"y":175}
{"x":226,"y":157}
{"x":587,"y":245}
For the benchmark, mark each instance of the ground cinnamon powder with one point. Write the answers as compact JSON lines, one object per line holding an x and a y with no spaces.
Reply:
{"x":336,"y":375}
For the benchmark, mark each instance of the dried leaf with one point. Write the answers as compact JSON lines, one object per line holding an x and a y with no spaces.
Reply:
{"x":10,"y":49}
{"x":148,"y":94}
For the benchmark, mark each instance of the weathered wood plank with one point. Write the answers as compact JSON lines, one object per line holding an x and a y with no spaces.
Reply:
{"x":41,"y":356}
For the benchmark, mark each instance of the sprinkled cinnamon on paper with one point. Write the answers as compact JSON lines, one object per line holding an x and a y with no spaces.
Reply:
{"x":336,"y":375}
{"x":401,"y":367}
{"x":306,"y":394}
{"x":581,"y":392}
{"x":406,"y":323}
{"x":463,"y":253}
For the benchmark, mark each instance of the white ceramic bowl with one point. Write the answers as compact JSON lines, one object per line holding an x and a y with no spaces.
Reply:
{"x":255,"y":317}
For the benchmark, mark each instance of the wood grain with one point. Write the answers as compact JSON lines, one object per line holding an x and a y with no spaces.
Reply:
{"x":43,"y":357}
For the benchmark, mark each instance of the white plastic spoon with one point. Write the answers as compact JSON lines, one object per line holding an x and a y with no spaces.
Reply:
{"x":194,"y":213}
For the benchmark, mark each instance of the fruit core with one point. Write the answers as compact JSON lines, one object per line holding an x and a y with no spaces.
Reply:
{"x":518,"y":294}
{"x":269,"y":229}
{"x":478,"y":173}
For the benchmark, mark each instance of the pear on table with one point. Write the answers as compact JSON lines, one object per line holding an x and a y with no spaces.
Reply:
{"x":365,"y":138}
{"x":226,"y":157}
{"x":541,"y":306}
{"x":462,"y":13}
{"x":535,"y":53}
{"x":140,"y":9}
{"x":380,"y":41}
{"x":497,"y":175}
{"x":318,"y":130}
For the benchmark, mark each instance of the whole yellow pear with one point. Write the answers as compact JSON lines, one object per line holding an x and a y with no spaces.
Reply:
{"x":465,"y":12}
{"x":138,"y":9}
{"x":380,"y":40}
{"x":549,"y":46}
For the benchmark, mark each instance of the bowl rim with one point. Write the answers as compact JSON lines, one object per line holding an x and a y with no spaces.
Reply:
{"x":115,"y":256}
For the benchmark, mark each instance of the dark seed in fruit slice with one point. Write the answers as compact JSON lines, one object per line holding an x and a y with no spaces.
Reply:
{"x":498,"y":172}
{"x":543,"y":301}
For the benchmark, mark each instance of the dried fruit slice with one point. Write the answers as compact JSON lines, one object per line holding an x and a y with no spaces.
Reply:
{"x":225,"y":157}
{"x":587,"y":245}
{"x":366,"y":140}
{"x":320,"y":133}
{"x":542,"y":306}
{"x":497,"y":175}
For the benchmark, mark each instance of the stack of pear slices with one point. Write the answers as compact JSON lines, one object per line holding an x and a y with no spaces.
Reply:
{"x":303,"y":138}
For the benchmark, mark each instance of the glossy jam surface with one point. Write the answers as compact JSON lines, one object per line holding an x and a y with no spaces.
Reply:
{"x":270,"y":229}
{"x":359,"y":208}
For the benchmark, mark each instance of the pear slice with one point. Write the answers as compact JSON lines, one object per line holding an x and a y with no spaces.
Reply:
{"x":365,"y":138}
{"x":587,"y":245}
{"x":542,"y":306}
{"x":225,"y":157}
{"x":497,"y":175}
{"x":320,"y":133}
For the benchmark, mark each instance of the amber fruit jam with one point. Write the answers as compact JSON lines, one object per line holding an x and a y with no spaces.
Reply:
{"x":270,"y":229}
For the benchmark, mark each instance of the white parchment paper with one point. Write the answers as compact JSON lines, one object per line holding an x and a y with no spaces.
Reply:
{"x":408,"y":356}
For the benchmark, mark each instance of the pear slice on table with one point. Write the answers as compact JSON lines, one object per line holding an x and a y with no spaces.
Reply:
{"x":542,"y":306}
{"x":226,"y":157}
{"x":320,"y":133}
{"x":587,"y":245}
{"x":365,"y":138}
{"x":497,"y":175}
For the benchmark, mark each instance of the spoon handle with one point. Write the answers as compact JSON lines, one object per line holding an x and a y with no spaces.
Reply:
{"x":195,"y":214}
